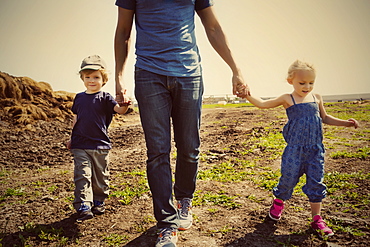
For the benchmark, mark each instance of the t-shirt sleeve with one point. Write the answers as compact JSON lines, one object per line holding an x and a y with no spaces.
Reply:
{"x":202,"y":4}
{"x":126,"y":4}
{"x":74,"y":107}
{"x":111,"y":103}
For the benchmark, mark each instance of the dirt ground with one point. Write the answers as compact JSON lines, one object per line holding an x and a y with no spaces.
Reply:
{"x":36,"y":164}
{"x":236,"y":173}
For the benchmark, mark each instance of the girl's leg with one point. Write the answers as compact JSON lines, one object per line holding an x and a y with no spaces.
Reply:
{"x":315,"y":208}
{"x":291,"y":171}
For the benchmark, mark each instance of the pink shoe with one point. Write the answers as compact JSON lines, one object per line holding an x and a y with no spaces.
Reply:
{"x":319,"y":225}
{"x":276,"y":209}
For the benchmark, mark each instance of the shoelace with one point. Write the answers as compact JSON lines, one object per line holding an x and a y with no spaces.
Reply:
{"x":165,"y":234}
{"x":185,"y":206}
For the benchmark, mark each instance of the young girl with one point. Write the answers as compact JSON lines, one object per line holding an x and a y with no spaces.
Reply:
{"x":304,"y":152}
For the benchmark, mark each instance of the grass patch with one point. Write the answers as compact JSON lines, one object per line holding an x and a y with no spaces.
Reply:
{"x":135,"y":187}
{"x":221,"y":199}
{"x":361,"y":153}
{"x":116,"y":239}
{"x":225,"y":172}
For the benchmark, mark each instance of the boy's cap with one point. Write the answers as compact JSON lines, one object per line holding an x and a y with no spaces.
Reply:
{"x":93,"y":62}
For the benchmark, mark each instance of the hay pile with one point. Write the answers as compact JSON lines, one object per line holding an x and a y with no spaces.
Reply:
{"x":23,"y":100}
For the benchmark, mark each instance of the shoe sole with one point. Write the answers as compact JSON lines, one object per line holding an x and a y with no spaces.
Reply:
{"x":185,"y":228}
{"x":273,"y":217}
{"x":98,"y":212}
{"x":84,"y":218}
{"x":320,"y":235}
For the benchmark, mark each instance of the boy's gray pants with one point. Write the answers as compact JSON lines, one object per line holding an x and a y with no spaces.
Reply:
{"x":91,"y":176}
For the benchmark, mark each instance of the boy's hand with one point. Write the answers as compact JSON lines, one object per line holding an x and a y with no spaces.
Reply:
{"x":68,"y":144}
{"x":354,"y":123}
{"x":122,"y":99}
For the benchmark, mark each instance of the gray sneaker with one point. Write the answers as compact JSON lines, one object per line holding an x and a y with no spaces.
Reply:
{"x":184,"y":209}
{"x":98,"y":208}
{"x":167,"y":238}
{"x":84,"y":213}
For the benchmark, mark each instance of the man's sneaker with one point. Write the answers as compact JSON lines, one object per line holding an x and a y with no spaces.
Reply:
{"x":276,"y":209}
{"x":319,"y":225}
{"x":84,"y":213}
{"x":185,"y":213}
{"x":167,"y":238}
{"x":98,"y":208}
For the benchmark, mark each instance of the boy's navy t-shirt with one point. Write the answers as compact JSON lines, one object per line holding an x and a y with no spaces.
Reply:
{"x":165,"y":36}
{"x":94,"y":114}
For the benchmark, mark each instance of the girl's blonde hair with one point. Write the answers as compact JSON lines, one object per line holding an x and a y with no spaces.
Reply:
{"x":299,"y":65}
{"x":103,"y":72}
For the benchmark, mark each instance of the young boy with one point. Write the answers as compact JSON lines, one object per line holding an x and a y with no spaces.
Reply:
{"x":93,"y":112}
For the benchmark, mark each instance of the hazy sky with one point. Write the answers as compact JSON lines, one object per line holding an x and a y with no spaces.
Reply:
{"x":47,"y":40}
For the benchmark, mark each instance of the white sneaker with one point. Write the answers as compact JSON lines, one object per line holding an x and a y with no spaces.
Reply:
{"x":184,"y":209}
{"x":167,"y":238}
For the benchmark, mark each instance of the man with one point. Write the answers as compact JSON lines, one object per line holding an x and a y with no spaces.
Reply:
{"x":168,"y":85}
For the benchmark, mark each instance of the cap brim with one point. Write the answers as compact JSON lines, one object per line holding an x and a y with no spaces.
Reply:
{"x":93,"y":67}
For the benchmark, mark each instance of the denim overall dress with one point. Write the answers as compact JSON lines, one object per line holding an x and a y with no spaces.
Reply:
{"x":304,"y":153}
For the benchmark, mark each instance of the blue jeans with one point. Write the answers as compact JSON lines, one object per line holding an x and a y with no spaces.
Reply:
{"x":161,"y":98}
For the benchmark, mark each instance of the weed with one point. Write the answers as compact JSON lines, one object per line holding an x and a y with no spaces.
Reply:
{"x":221,"y":199}
{"x":52,"y":188}
{"x":361,"y":153}
{"x":12,"y":192}
{"x":223,"y":230}
{"x":116,"y":239}
{"x":44,"y":233}
{"x":253,"y":198}
{"x":224,"y":172}
{"x":132,"y":190}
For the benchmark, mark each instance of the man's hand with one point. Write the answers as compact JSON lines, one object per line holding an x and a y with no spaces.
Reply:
{"x":240,"y":88}
{"x":122,"y":99}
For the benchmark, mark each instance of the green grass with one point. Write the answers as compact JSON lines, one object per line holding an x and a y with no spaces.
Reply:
{"x":134,"y":187}
{"x":210,"y":198}
{"x":225,"y":172}
{"x":116,"y":239}
{"x":11,"y":192}
{"x":361,"y":153}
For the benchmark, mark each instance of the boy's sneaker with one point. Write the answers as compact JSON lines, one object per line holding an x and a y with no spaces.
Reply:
{"x":319,"y":225}
{"x":84,"y":213}
{"x":98,"y":208}
{"x":167,"y":238}
{"x":276,"y":209}
{"x":184,"y":207}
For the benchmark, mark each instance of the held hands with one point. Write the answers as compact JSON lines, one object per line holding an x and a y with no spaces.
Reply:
{"x":122,"y":99}
{"x":353,"y":122}
{"x":240,"y":88}
{"x":68,"y":144}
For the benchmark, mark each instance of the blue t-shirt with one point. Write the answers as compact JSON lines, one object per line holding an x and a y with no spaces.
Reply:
{"x":94,"y":114}
{"x":165,"y":37}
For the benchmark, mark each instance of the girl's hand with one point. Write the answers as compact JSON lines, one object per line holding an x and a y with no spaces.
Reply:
{"x":353,"y":123}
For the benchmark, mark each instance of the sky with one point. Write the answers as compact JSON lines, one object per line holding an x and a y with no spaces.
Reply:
{"x":47,"y":40}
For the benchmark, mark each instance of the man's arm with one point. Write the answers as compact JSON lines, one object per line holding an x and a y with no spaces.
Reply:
{"x":218,"y":41}
{"x":121,"y":48}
